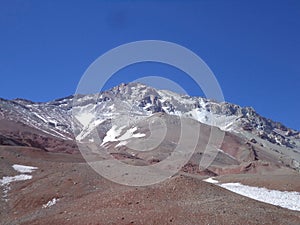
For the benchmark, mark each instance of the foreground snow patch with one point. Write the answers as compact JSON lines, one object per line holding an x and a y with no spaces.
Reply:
{"x":24,"y":169}
{"x":5,"y":181}
{"x":50,"y":203}
{"x":8,"y":180}
{"x":211,"y":180}
{"x":285,"y":199}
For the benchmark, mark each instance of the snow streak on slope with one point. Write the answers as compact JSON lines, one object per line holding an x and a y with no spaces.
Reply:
{"x":8,"y":180}
{"x":114,"y":133}
{"x":50,"y":203}
{"x":211,"y":180}
{"x":24,"y":169}
{"x":5,"y":181}
{"x":285,"y":199}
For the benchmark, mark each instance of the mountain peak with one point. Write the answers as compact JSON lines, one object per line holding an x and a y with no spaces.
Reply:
{"x":55,"y":116}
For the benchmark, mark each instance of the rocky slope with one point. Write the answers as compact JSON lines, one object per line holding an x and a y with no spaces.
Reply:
{"x":84,"y":197}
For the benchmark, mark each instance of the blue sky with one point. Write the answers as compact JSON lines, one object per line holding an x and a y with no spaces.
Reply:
{"x":253,"y":47}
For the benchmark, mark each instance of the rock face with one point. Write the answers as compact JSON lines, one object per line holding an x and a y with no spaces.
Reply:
{"x":55,"y":119}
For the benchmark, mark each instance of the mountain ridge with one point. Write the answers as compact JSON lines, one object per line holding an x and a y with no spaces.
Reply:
{"x":250,"y":108}
{"x":255,"y":121}
{"x":75,"y":117}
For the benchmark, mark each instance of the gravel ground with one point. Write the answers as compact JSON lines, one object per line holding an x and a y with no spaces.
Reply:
{"x":84,"y":197}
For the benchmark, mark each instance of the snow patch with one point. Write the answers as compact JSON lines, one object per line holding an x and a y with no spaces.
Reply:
{"x":211,"y":180}
{"x":5,"y":181}
{"x":225,"y":153}
{"x":122,"y":143}
{"x":40,"y":117}
{"x":8,"y":180}
{"x":85,"y":114}
{"x":85,"y":118}
{"x":24,"y":169}
{"x":285,"y":199}
{"x":90,"y":127}
{"x":222,"y":121}
{"x":50,"y":203}
{"x":114,"y":135}
{"x":130,"y":134}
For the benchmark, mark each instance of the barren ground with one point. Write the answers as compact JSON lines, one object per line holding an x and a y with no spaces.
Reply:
{"x":87,"y":198}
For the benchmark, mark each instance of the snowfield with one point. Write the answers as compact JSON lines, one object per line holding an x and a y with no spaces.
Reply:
{"x":285,"y":199}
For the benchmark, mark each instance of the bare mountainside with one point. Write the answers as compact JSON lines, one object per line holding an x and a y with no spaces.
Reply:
{"x":45,"y":179}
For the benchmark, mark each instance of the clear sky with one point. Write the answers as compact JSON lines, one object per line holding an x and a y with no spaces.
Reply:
{"x":252,"y":46}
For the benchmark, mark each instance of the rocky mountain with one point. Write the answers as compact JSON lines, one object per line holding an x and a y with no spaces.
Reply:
{"x":54,"y":125}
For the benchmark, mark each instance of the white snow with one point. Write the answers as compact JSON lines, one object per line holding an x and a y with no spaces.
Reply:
{"x":85,"y":114}
{"x":85,"y":118}
{"x":112,"y":107}
{"x":98,"y":122}
{"x":8,"y":180}
{"x":222,"y":121}
{"x":148,"y":105}
{"x":122,"y":143}
{"x":225,"y":153}
{"x":5,"y":181}
{"x":43,"y":130}
{"x":50,"y":203}
{"x":24,"y":169}
{"x":285,"y":199}
{"x":169,"y":96}
{"x":88,"y":129}
{"x":211,"y":180}
{"x":40,"y":117}
{"x":113,"y":135}
{"x":60,"y":135}
{"x":130,"y":134}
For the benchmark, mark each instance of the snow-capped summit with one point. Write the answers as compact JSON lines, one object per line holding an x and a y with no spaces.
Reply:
{"x":146,"y":100}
